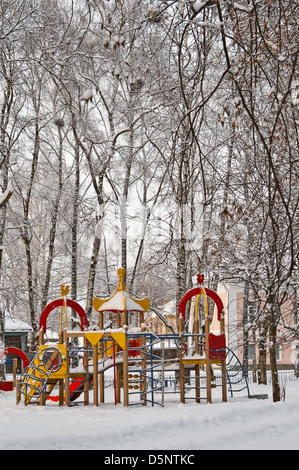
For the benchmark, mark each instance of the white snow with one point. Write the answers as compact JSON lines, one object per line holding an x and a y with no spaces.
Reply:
{"x":15,"y":324}
{"x":121,"y":301}
{"x":197,"y":5}
{"x":241,"y":423}
{"x":87,"y":95}
{"x":245,"y":8}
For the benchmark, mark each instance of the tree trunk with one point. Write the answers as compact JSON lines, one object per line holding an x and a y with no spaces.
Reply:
{"x":2,"y":343}
{"x":262,"y":370}
{"x":273,"y":361}
{"x":92,"y":274}
{"x":30,"y":284}
{"x":27,"y":236}
{"x":74,"y":260}
{"x":181,"y":260}
{"x":123,"y":208}
{"x":245,"y":327}
{"x":45,"y":293}
{"x":297,"y":360}
{"x":4,"y":165}
{"x":2,"y":320}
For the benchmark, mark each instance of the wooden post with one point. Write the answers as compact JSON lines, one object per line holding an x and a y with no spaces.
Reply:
{"x":95,"y":376}
{"x":125,"y":318}
{"x":86,"y":381}
{"x":61,"y":391}
{"x":119,"y":369}
{"x":67,"y":375}
{"x":102,"y":347}
{"x":42,"y":399}
{"x":208,"y":363}
{"x":182,"y":373}
{"x":143,"y":366}
{"x":182,"y":368}
{"x":18,"y":395}
{"x":60,"y":337}
{"x":224,"y":387}
{"x":14,"y":371}
{"x":197,"y":366}
{"x":41,"y":337}
{"x":180,"y":325}
{"x":125,"y":370}
{"x":223,"y":363}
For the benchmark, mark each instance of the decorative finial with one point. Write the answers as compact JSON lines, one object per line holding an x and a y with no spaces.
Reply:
{"x":64,"y":290}
{"x":121,"y":283}
{"x":200,"y":279}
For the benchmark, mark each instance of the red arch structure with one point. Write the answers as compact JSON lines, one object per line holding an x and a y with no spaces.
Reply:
{"x":17,"y":352}
{"x":197,"y":291}
{"x":59,"y":303}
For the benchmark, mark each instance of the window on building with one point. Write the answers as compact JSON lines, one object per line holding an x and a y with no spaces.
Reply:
{"x":251,"y":347}
{"x":278,"y":353}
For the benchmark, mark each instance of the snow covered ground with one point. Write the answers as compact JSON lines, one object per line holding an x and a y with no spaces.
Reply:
{"x":241,"y":423}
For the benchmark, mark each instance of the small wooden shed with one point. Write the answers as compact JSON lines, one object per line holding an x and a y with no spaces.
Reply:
{"x":15,"y":336}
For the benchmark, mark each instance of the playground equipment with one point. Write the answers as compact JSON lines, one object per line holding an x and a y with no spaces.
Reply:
{"x":78,"y":363}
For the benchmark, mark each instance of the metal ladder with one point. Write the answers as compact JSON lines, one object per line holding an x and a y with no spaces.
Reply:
{"x":235,"y":375}
{"x":146,"y":375}
{"x":33,"y":381}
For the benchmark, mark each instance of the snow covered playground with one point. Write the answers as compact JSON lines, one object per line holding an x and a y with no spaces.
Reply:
{"x":196,"y":393}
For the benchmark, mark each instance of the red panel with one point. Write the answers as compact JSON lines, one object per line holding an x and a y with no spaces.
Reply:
{"x":217,"y":346}
{"x":59,"y":303}
{"x":134,"y":343}
{"x":17,"y":352}
{"x":197,"y":291}
{"x":6,"y":386}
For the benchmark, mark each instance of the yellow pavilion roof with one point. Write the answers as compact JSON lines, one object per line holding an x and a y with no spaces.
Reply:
{"x":121,"y":300}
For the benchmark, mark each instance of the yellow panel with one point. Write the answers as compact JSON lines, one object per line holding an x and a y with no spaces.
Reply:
{"x":60,"y":374}
{"x":120,"y":338}
{"x":94,"y":338}
{"x":193,"y":361}
{"x":109,"y":348}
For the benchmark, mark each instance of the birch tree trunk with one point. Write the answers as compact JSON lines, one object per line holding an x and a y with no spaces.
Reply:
{"x":4,"y":165}
{"x":54,"y":220}
{"x":74,"y":231}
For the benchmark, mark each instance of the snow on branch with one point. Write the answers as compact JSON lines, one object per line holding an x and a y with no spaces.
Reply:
{"x":245,"y":8}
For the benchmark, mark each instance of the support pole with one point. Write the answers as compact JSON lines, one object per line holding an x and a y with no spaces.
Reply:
{"x":182,"y":373}
{"x":95,"y":376}
{"x":125,"y":369}
{"x":208,"y":363}
{"x":67,"y":375}
{"x":102,"y":347}
{"x":15,"y":365}
{"x":182,"y":369}
{"x":196,"y":351}
{"x":61,"y":392}
{"x":86,"y":382}
{"x":143,"y":366}
{"x":223,"y":363}
{"x":41,"y":337}
{"x":114,"y":376}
